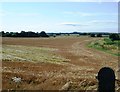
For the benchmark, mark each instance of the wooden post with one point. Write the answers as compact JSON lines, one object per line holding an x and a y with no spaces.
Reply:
{"x":118,"y":71}
{"x":106,"y":78}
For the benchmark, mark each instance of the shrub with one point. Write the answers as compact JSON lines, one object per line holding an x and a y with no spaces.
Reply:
{"x":99,"y":35}
{"x":114,"y":37}
{"x":92,"y":35}
{"x":43,"y":34}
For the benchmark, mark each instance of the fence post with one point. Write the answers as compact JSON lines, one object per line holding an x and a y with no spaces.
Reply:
{"x":118,"y":71}
{"x":106,"y":78}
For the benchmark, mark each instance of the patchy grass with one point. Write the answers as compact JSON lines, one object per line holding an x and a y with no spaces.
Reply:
{"x":106,"y":45}
{"x":29,"y":53}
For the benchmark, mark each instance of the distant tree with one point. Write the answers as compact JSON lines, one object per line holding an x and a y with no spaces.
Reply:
{"x":23,"y":34}
{"x":7,"y":34}
{"x":92,"y":35}
{"x":43,"y":34}
{"x":88,"y":33}
{"x":114,"y":36}
{"x":84,"y":33}
{"x":15,"y":34}
{"x":51,"y":34}
{"x":68,"y":34}
{"x":32,"y":34}
{"x":99,"y":35}
{"x":54,"y":35}
{"x":12,"y":34}
{"x":2,"y":33}
{"x":58,"y":34}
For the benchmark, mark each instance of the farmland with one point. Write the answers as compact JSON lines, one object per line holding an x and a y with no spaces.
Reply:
{"x":107,"y":45}
{"x":52,"y":63}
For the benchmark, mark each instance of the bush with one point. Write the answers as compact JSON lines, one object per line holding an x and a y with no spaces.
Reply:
{"x":92,"y":35}
{"x":43,"y":34}
{"x":99,"y":35}
{"x":108,"y":41}
{"x":114,"y":37}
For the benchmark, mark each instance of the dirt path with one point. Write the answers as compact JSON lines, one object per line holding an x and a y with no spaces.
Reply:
{"x":80,"y":55}
{"x":80,"y":71}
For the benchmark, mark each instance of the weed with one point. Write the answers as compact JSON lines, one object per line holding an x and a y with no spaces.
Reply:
{"x":106,"y":45}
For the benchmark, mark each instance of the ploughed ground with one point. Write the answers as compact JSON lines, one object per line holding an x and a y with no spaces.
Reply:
{"x":76,"y":74}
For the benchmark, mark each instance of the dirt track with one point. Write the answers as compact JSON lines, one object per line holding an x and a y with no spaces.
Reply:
{"x":79,"y":72}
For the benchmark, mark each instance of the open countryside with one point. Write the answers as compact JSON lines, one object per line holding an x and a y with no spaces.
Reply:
{"x":64,"y":45}
{"x":51,"y":63}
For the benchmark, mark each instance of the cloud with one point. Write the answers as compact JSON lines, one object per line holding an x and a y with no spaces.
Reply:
{"x":6,"y":13}
{"x":73,"y":24}
{"x":103,"y":22}
{"x":86,"y":14}
{"x":82,"y":0}
{"x":59,"y":0}
{"x":92,"y":0}
{"x":2,"y":13}
{"x":90,"y":23}
{"x":78,"y":13}
{"x":27,"y":14}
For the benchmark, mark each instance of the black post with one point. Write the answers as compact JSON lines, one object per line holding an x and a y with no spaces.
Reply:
{"x":106,"y":78}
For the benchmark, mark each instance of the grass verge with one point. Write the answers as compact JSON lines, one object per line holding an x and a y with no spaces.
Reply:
{"x":106,"y":45}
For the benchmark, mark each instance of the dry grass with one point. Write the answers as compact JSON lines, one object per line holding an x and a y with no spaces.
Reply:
{"x":29,"y":53}
{"x":78,"y":74}
{"x":106,"y":45}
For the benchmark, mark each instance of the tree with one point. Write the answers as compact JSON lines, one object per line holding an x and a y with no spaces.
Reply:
{"x":43,"y":34}
{"x":92,"y":35}
{"x":2,"y":33}
{"x":23,"y":34}
{"x":114,"y":36}
{"x":7,"y":34}
{"x":99,"y":35}
{"x":84,"y":33}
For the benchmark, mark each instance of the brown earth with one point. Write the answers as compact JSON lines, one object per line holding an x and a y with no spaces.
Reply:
{"x":77,"y":74}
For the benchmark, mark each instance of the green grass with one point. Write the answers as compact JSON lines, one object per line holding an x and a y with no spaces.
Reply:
{"x":106,"y":45}
{"x":32,"y":54}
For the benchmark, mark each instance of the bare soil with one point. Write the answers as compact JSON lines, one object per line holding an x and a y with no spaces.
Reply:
{"x":77,"y":74}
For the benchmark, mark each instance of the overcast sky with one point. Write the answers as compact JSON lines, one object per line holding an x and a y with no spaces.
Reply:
{"x":59,"y":16}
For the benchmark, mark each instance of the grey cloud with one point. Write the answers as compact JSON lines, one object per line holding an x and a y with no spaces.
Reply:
{"x":73,"y":24}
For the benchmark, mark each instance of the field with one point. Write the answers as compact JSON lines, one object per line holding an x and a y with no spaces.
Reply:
{"x":106,"y":45}
{"x":60,"y":63}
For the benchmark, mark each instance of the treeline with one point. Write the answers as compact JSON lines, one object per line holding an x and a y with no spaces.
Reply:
{"x":23,"y":34}
{"x":43,"y":34}
{"x":112,"y":36}
{"x":79,"y":33}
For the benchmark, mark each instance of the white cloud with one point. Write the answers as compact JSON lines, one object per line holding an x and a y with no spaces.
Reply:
{"x":85,"y":14}
{"x":93,"y":0}
{"x":4,"y":13}
{"x":90,"y":23}
{"x":27,"y":0}
{"x":73,"y":24}
{"x":78,"y":13}
{"x":28,"y":14}
{"x":59,"y":0}
{"x":103,"y":22}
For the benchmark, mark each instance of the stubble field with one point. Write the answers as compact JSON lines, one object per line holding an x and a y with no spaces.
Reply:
{"x":61,"y":63}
